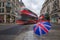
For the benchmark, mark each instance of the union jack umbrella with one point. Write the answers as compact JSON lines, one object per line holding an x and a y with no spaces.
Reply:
{"x":42,"y":28}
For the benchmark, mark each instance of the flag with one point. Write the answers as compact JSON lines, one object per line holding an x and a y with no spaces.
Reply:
{"x":42,"y":28}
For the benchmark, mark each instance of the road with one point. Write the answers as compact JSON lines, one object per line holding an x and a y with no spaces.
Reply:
{"x":9,"y":32}
{"x":25,"y":32}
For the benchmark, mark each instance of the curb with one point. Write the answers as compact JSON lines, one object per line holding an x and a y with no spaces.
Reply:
{"x":56,"y":23}
{"x":7,"y":24}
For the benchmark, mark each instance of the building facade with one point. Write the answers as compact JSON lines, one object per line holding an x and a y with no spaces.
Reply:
{"x":7,"y":10}
{"x":53,"y":8}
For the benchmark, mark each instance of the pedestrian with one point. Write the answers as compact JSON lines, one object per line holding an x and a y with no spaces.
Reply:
{"x":41,"y":18}
{"x":44,"y":18}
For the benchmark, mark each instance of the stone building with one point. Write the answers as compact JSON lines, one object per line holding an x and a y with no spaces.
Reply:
{"x":7,"y":10}
{"x":53,"y":8}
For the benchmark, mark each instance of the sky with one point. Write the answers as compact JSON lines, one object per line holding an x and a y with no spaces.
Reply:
{"x":34,"y":5}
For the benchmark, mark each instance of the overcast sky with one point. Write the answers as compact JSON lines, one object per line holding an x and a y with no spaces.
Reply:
{"x":34,"y":5}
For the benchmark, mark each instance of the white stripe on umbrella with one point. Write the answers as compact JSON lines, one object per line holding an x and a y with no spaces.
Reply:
{"x":43,"y":27}
{"x":40,"y":31}
{"x":47,"y":25}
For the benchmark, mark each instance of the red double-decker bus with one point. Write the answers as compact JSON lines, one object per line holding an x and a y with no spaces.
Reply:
{"x":27,"y":17}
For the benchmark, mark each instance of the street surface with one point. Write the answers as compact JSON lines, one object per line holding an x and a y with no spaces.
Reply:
{"x":25,"y":32}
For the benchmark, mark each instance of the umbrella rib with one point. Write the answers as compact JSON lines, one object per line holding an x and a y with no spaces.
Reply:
{"x":42,"y":26}
{"x":35,"y":28}
{"x":40,"y":31}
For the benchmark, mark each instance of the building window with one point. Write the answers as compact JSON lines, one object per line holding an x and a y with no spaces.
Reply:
{"x":1,"y":10}
{"x":48,"y":9}
{"x":8,"y":10}
{"x":14,"y":1}
{"x":1,"y":18}
{"x":8,"y":4}
{"x":1,"y":4}
{"x":8,"y":7}
{"x":8,"y":18}
{"x":8,"y":0}
{"x":56,"y":5}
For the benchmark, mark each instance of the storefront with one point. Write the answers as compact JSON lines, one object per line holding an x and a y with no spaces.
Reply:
{"x":10,"y":19}
{"x":7,"y":19}
{"x":59,"y":20}
{"x":1,"y":18}
{"x":54,"y":18}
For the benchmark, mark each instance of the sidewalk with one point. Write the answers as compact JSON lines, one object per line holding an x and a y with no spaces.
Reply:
{"x":55,"y":23}
{"x":5,"y":24}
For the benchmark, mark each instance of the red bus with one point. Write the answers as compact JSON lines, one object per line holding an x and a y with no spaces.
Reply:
{"x":27,"y":17}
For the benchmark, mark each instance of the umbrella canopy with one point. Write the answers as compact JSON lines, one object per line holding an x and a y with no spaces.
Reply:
{"x":42,"y":28}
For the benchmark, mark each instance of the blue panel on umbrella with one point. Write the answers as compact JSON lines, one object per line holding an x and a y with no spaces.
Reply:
{"x":47,"y":23}
{"x":43,"y":32}
{"x":37,"y":31}
{"x":48,"y":27}
{"x":34,"y":26}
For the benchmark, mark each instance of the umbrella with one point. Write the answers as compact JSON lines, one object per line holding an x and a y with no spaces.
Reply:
{"x":42,"y":28}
